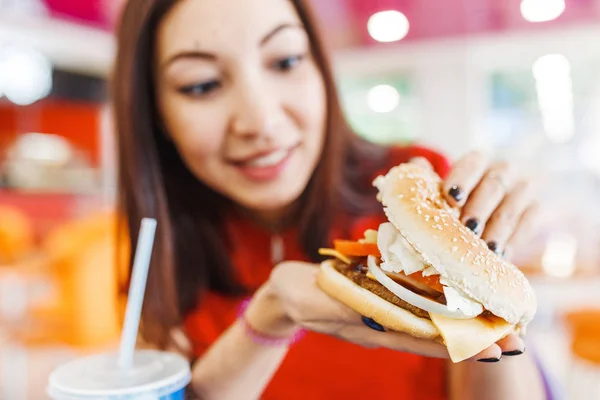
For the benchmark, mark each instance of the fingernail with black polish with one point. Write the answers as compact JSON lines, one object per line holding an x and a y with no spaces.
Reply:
{"x":473,"y":224}
{"x":372,"y":324}
{"x":493,"y":246}
{"x":489,"y":360}
{"x":513,"y":353}
{"x":456,"y":193}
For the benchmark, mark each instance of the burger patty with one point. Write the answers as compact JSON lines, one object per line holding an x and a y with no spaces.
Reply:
{"x":357,"y":273}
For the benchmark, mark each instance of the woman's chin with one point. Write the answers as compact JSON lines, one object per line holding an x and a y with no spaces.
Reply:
{"x":269,"y":202}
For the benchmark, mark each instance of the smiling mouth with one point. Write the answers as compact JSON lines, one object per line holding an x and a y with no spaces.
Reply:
{"x":267,"y":160}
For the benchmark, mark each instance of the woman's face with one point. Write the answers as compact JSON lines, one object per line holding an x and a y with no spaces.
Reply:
{"x":242,"y":98}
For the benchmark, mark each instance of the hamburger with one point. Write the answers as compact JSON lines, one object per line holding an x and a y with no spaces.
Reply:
{"x":425,"y":273}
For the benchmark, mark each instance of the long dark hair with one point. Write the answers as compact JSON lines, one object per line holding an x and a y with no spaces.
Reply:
{"x":190,"y":254}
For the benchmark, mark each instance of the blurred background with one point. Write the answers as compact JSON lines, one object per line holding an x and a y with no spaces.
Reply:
{"x":520,"y":78}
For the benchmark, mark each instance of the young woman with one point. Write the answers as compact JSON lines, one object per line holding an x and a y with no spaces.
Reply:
{"x":231,"y":135}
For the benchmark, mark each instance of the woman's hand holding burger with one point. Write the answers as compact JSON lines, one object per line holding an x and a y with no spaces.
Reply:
{"x":291,"y":300}
{"x":493,"y":203}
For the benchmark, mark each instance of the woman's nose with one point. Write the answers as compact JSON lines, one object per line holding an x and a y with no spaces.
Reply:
{"x":255,"y":111}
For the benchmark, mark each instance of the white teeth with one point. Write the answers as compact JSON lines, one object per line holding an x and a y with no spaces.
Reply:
{"x":271,"y":159}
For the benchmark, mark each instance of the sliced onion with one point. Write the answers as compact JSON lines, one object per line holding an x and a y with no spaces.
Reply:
{"x":396,"y":277}
{"x":410,"y":297}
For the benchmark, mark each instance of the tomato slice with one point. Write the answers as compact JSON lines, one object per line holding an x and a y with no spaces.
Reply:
{"x":351,"y":248}
{"x":432,"y":281}
{"x":356,"y":249}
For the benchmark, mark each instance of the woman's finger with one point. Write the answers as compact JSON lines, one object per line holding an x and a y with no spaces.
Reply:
{"x":511,"y":345}
{"x":398,"y":341}
{"x":489,"y":355}
{"x":505,"y":219}
{"x":465,"y":176}
{"x":525,"y":229}
{"x":307,"y":296}
{"x":487,"y":196}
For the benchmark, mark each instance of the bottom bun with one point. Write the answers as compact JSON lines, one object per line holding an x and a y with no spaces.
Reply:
{"x":361,"y":300}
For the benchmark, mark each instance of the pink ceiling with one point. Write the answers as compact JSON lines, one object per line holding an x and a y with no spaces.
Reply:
{"x":345,"y":21}
{"x":88,"y":12}
{"x":430,"y":19}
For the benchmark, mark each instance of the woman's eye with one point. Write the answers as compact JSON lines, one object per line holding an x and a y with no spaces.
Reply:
{"x":200,"y":89}
{"x":288,"y":63}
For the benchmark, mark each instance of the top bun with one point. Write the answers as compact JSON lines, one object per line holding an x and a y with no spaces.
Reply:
{"x":414,"y":204}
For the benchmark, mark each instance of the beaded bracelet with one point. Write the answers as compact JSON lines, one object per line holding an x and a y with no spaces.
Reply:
{"x":261,"y":338}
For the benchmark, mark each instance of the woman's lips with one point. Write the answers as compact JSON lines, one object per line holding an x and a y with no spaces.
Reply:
{"x":265,"y":167}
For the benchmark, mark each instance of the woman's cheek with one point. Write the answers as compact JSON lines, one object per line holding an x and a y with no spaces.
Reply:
{"x":310,"y":97}
{"x":197,"y":132}
{"x":198,"y":145}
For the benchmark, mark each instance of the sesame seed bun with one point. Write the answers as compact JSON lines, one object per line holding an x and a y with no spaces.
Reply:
{"x":414,"y":204}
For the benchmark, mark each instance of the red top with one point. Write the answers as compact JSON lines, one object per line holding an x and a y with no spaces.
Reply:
{"x":320,"y":366}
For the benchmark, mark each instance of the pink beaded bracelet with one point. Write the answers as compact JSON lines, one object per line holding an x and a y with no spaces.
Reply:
{"x":261,"y":338}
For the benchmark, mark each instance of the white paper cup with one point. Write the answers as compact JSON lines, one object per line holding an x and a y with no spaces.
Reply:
{"x":155,"y":375}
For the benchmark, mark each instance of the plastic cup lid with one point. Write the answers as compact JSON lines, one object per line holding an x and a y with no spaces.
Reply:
{"x":154,"y":373}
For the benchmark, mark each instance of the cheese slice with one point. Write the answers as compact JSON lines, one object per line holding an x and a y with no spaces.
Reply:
{"x":465,"y":338}
{"x":336,"y":254}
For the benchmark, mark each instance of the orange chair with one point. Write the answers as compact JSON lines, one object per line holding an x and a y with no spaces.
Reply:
{"x":584,"y":327}
{"x":84,"y":266}
{"x":584,"y":371}
{"x":16,"y":235}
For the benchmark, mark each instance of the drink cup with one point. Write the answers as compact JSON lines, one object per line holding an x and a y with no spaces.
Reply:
{"x":153,"y":375}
